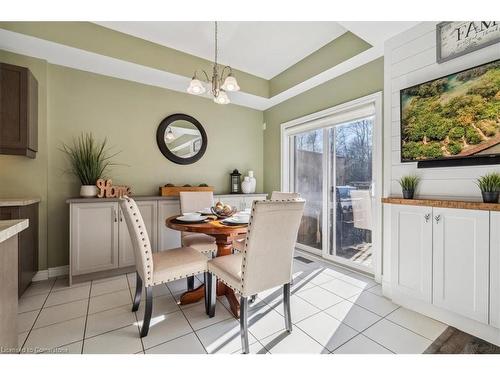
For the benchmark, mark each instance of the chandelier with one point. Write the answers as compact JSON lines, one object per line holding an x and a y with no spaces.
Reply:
{"x":221,"y":81}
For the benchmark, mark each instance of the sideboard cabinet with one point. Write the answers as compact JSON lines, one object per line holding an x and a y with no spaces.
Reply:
{"x":99,"y":238}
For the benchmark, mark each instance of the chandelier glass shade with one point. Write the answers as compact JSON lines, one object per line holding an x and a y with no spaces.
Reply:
{"x":220,"y":82}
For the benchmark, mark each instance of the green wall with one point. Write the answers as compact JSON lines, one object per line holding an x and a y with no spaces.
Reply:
{"x":362,"y":81}
{"x":128,"y":114}
{"x":338,"y":50}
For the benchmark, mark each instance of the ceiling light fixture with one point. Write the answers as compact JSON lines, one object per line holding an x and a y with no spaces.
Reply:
{"x":222,"y":81}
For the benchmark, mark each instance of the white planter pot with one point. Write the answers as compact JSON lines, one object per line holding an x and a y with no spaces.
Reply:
{"x":88,"y":191}
{"x":246,"y":185}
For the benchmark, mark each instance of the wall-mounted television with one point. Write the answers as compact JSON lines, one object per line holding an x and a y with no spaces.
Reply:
{"x":453,"y":120}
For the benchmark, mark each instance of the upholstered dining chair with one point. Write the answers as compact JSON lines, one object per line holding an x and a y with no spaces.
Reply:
{"x":239,"y":241}
{"x":270,"y":240}
{"x":193,"y":201}
{"x":159,"y":267}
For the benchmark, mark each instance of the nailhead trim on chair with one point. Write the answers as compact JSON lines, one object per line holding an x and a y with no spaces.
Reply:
{"x":148,"y":266}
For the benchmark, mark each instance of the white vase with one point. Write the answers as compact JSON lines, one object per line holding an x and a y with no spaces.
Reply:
{"x":253,"y":181}
{"x":246,"y":185}
{"x":88,"y":191}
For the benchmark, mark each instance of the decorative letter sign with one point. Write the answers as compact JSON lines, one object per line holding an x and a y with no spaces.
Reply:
{"x":108,"y":191}
{"x":460,"y":37}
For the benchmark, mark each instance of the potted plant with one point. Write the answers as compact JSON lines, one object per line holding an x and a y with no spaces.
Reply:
{"x":490,"y":187}
{"x":409,"y":185}
{"x":89,"y":160}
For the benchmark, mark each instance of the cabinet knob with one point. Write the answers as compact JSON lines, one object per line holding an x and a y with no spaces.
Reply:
{"x":437,"y":217}
{"x":427,"y":217}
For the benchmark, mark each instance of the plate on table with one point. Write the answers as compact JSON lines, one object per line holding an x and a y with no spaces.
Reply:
{"x":237,"y":220}
{"x":190,"y":219}
{"x":206,"y":211}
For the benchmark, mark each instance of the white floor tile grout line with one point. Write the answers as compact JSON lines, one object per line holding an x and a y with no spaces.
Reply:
{"x":272,"y":305}
{"x":86,"y":318}
{"x":37,"y":316}
{"x":187,"y":320}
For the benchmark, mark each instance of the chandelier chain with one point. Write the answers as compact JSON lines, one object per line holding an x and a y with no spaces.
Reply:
{"x":216,"y":46}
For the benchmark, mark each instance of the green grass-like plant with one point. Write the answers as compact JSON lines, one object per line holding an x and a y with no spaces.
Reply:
{"x":89,"y":158}
{"x":490,"y":182}
{"x":409,"y":182}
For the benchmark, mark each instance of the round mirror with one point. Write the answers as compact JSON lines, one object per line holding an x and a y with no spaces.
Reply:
{"x":181,"y":139}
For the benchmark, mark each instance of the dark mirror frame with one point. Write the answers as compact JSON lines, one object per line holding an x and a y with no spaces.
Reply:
{"x":160,"y":139}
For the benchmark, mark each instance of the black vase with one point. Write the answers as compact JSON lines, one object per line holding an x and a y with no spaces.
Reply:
{"x":490,"y":196}
{"x":408,"y":194}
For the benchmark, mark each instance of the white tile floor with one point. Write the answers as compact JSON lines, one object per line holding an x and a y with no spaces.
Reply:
{"x":333,"y":311}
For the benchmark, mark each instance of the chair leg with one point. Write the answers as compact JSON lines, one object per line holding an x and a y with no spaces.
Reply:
{"x":138,"y":292}
{"x":206,"y":277}
{"x":286,"y":304}
{"x":244,"y":325}
{"x":147,"y":311}
{"x":211,"y":293}
{"x":190,"y":282}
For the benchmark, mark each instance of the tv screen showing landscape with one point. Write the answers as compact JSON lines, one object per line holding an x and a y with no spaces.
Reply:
{"x":457,"y":116}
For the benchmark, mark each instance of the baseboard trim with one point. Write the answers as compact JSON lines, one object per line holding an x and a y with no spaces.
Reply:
{"x":51,"y":272}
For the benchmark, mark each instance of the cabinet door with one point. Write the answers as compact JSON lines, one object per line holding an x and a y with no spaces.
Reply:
{"x":167,"y":238}
{"x":94,"y":237}
{"x":149,"y":214}
{"x":411,"y":246}
{"x":461,"y":261}
{"x":495,"y":269}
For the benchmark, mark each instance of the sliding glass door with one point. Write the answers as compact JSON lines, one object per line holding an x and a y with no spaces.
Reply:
{"x":334,"y":162}
{"x":308,"y":180}
{"x":350,"y":183}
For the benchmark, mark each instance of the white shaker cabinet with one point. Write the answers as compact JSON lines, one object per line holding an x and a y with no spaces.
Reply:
{"x":461,"y":261}
{"x":149,"y":213}
{"x":167,"y":238}
{"x":94,"y":237}
{"x":411,"y":242}
{"x":495,"y":269}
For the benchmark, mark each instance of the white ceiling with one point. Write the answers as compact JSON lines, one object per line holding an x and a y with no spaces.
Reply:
{"x":264,"y":49}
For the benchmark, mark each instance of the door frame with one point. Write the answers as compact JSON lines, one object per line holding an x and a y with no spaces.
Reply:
{"x":370,"y":105}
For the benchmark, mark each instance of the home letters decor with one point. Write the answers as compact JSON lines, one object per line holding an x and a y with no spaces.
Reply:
{"x":107,"y":190}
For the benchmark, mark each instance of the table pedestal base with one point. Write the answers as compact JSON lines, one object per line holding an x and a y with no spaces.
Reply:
{"x":224,"y":247}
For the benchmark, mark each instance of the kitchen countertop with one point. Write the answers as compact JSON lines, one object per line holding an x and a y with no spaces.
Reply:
{"x":153,"y":198}
{"x":10,"y":202}
{"x":9,"y":228}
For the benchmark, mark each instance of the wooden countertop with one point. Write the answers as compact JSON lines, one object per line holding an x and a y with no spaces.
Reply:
{"x":9,"y":202}
{"x":444,"y":203}
{"x":9,"y":228}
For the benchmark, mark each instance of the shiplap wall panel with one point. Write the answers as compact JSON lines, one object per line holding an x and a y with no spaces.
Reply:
{"x":410,"y":59}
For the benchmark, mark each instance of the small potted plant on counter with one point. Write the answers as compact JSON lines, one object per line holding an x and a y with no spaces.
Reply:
{"x":409,"y":185}
{"x":89,"y":160}
{"x":490,"y":187}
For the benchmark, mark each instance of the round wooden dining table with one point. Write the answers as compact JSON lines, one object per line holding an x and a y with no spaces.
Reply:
{"x":224,"y":235}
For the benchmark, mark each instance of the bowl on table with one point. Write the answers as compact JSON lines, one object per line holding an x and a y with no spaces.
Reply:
{"x":223,"y":211}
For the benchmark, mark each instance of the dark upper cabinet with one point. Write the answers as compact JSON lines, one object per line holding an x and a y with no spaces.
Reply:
{"x":18,"y":111}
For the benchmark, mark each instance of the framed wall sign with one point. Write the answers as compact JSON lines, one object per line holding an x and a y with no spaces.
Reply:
{"x":458,"y":38}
